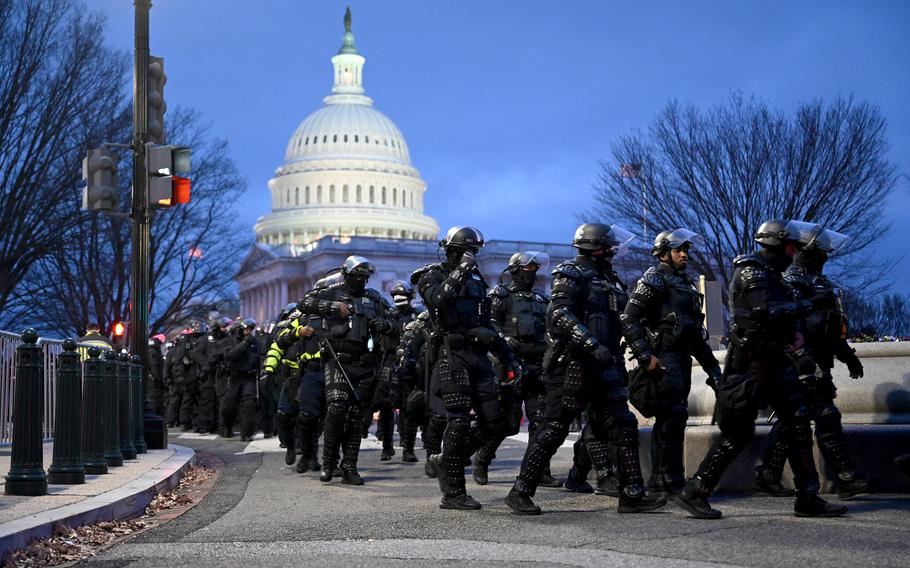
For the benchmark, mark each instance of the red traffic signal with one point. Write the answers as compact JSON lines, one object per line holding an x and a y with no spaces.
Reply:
{"x":119,"y":329}
{"x":180,"y":189}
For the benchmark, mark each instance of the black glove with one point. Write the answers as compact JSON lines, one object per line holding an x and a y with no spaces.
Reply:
{"x":855,"y":366}
{"x":514,"y":371}
{"x":713,"y":378}
{"x":380,"y":326}
{"x":468,"y":259}
{"x":266,"y":379}
{"x":824,"y":300}
{"x":603,"y":356}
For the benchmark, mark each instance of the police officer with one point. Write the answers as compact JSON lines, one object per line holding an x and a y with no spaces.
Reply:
{"x":189,"y":404}
{"x":155,"y":376}
{"x":663,"y":327}
{"x":825,"y":336}
{"x":584,"y":367}
{"x":424,"y":404}
{"x":203,"y":357}
{"x":519,"y":314}
{"x":242,"y":361}
{"x":175,"y":373}
{"x":455,"y":293}
{"x":758,"y":371}
{"x":354,"y":319}
{"x":281,"y":366}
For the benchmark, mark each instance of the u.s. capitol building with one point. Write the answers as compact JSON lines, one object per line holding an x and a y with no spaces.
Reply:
{"x":347,"y":186}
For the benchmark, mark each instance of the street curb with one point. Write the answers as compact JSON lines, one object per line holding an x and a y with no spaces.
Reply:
{"x":125,"y":502}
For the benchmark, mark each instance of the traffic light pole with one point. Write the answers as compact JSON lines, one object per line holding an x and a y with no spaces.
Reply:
{"x":155,"y":433}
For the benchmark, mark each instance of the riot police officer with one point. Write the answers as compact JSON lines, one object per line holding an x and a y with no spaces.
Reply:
{"x":758,"y":372}
{"x":242,"y":362}
{"x":354,"y":319}
{"x":519,"y":314}
{"x":455,"y":294}
{"x":825,"y":335}
{"x":203,"y":356}
{"x":583,"y":367}
{"x":663,"y":327}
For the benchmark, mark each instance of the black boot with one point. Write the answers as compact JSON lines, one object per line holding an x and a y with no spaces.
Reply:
{"x":408,"y":456}
{"x":547,"y":480}
{"x":767,"y":482}
{"x":608,"y":485}
{"x":459,"y":502}
{"x":576,"y":483}
{"x":302,"y":465}
{"x":349,"y":476}
{"x":633,"y":499}
{"x":694,"y":499}
{"x":480,"y":473}
{"x":328,"y":470}
{"x":521,"y":504}
{"x":436,"y":470}
{"x":809,"y":504}
{"x":850,"y":485}
{"x":387,"y":453}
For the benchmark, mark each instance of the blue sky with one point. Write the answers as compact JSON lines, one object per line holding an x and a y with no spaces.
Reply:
{"x":518,"y":100}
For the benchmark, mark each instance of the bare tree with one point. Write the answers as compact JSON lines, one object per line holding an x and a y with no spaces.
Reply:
{"x":723,"y":171}
{"x":194,"y":250}
{"x":61,"y":91}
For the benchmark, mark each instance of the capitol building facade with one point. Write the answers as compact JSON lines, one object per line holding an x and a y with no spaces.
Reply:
{"x":347,"y":186}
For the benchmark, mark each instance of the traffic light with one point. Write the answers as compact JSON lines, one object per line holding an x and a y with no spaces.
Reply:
{"x":168,"y":183}
{"x":119,"y":329}
{"x":99,"y":171}
{"x":156,"y":106}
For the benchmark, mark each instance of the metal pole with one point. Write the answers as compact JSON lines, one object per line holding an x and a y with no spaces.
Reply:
{"x":644,"y":209}
{"x":156,"y":437}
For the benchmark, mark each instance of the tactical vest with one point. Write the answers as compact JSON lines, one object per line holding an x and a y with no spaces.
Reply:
{"x":526,"y":321}
{"x":351,"y":334}
{"x":605,"y":300}
{"x":823,"y":329}
{"x":470,"y":309}
{"x":681,"y":311}
{"x":751,"y":272}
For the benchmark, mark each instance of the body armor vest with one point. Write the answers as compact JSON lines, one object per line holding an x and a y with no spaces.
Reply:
{"x":822,"y":329}
{"x":351,"y":334}
{"x":605,"y":300}
{"x":470,"y":309}
{"x":681,"y":312}
{"x":526,"y":321}
{"x":753,"y":276}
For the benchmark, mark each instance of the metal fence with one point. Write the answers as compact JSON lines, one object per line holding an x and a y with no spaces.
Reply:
{"x":49,"y":348}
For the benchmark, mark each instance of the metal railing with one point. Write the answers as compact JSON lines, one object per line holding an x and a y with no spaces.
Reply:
{"x":49,"y":349}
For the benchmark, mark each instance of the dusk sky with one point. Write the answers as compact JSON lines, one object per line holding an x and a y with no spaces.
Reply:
{"x":517,"y":101}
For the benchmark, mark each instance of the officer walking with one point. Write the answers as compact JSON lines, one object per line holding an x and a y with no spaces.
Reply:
{"x":758,"y":371}
{"x":583,"y":367}
{"x":242,"y":362}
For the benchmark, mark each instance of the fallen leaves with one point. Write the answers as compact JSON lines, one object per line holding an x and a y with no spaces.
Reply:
{"x":68,"y":544}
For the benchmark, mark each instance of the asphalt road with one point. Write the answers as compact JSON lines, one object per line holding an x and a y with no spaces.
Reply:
{"x":262,"y":513}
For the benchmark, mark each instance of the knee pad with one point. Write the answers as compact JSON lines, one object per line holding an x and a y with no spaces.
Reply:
{"x":336,"y":408}
{"x":627,"y":437}
{"x":456,"y":388}
{"x":828,"y":418}
{"x":551,"y":435}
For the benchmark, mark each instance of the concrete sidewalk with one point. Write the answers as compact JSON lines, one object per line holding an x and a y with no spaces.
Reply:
{"x":122,"y":493}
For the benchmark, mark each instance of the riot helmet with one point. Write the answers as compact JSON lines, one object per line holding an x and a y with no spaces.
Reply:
{"x":465,"y":238}
{"x":330,"y":278}
{"x":223,"y":322}
{"x":673,"y":239}
{"x":356,"y":270}
{"x":593,"y":237}
{"x":814,"y":255}
{"x":402,"y":293}
{"x":286,"y":311}
{"x":778,"y":232}
{"x":523,"y":267}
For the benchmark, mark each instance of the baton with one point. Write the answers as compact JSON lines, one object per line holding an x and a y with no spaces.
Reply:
{"x":341,"y":368}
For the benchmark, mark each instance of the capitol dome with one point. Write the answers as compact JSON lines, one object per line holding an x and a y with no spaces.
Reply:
{"x":347,"y":171}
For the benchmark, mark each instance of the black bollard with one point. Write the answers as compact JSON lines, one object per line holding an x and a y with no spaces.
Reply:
{"x":136,"y":397}
{"x":67,"y":466}
{"x":123,"y":404}
{"x":110,"y":422}
{"x":26,"y":474}
{"x":93,"y":414}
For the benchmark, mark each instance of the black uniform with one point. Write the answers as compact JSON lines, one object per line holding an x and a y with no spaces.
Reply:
{"x":456,"y":297}
{"x":189,"y":403}
{"x":202,"y":355}
{"x":664,"y":318}
{"x":824,"y":332}
{"x":176,"y":371}
{"x":350,"y":338}
{"x":758,"y":373}
{"x":519,"y":313}
{"x":242,"y":362}
{"x":424,"y":407}
{"x":157,"y":395}
{"x":583,"y":319}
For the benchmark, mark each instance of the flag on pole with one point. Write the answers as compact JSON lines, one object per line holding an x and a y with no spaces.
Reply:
{"x":630,"y":170}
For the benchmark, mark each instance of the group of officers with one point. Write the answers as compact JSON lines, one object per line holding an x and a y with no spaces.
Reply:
{"x":467,"y":365}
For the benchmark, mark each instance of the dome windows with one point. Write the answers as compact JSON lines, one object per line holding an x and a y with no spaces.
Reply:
{"x":345,"y":138}
{"x":306,"y":195}
{"x":372,"y":194}
{"x":344,"y":194}
{"x":335,"y":138}
{"x":359,"y":195}
{"x":331,"y":194}
{"x":366,"y":138}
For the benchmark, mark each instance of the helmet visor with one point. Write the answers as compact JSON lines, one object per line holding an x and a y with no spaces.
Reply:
{"x":803,"y":232}
{"x":679,"y":237}
{"x":541,"y":259}
{"x":830,"y":241}
{"x":621,"y":239}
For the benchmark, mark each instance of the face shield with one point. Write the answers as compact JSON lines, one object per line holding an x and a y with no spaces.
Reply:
{"x":803,"y":232}
{"x":541,"y":259}
{"x":680,"y":237}
{"x":621,"y":239}
{"x":829,"y":241}
{"x":357,"y":265}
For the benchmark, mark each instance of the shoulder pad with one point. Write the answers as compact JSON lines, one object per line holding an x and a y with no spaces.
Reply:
{"x":418,"y":274}
{"x":500,"y":291}
{"x":423,"y":316}
{"x":750,"y":259}
{"x":373,"y":295}
{"x":568,"y":269}
{"x":754,"y":275}
{"x":653,"y":278}
{"x":540,"y":294}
